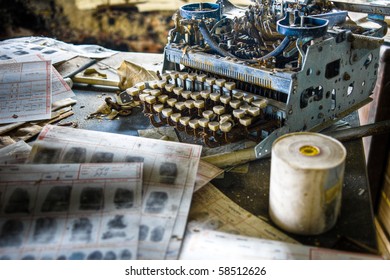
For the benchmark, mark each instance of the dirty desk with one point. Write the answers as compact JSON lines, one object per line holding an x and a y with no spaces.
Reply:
{"x":354,"y":230}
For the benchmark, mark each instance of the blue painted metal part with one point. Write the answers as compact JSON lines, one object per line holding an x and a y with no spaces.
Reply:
{"x":201,"y":11}
{"x":302,"y":26}
{"x":334,"y":18}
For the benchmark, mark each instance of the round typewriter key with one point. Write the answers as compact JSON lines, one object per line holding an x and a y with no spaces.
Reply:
{"x":220,"y":82}
{"x":230,"y":85}
{"x":185,"y":120}
{"x":133,"y":91}
{"x":225,"y":99}
{"x":214,"y":126}
{"x":219,"y":110}
{"x":158,"y":107}
{"x":186,"y":94}
{"x":180,"y":105}
{"x":235,"y":104}
{"x":163,"y":98}
{"x":155,"y":92}
{"x":254,"y":111}
{"x":238,"y":113}
{"x":176,"y":117}
{"x":208,"y":114}
{"x":203,"y":122}
{"x":194,"y":123}
{"x":226,"y":127}
{"x":199,"y":104}
{"x":215,"y":96}
{"x":205,"y":94}
{"x":190,"y":104}
{"x":171,"y":102}
{"x":246,"y":121}
{"x":167,"y":112}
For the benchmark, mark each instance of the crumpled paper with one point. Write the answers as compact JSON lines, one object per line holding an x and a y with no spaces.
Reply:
{"x":131,"y":73}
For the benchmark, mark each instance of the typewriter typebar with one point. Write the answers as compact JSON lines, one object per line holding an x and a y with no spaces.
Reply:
{"x":261,"y":71}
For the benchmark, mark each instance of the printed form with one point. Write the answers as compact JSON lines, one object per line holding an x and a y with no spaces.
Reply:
{"x":70,"y":211}
{"x":169,"y":177}
{"x":25,"y":91}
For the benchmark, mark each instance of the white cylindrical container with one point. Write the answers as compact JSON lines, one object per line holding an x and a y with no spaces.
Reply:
{"x":307,"y":171}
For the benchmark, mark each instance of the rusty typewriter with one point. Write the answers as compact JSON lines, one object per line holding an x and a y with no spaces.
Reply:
{"x":258,"y":72}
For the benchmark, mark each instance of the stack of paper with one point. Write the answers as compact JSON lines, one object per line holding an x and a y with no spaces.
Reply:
{"x":169,"y":175}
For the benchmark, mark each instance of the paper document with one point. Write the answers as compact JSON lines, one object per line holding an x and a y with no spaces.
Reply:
{"x":16,"y":48}
{"x":70,"y":211}
{"x":214,"y":245}
{"x":169,"y":175}
{"x":211,"y":209}
{"x":60,"y":89}
{"x":15,"y":153}
{"x":25,"y":91}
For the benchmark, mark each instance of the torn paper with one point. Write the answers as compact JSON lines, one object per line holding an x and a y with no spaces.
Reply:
{"x":211,"y":209}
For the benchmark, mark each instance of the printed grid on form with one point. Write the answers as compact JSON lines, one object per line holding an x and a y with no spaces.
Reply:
{"x":70,"y":211}
{"x":169,"y":176}
{"x":25,"y":91}
{"x":60,"y":89}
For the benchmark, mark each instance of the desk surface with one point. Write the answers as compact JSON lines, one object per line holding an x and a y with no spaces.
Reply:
{"x":355,"y":227}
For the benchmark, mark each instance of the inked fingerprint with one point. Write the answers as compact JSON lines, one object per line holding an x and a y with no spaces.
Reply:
{"x":91,"y":198}
{"x":47,"y":155}
{"x":168,"y":173}
{"x":75,"y":155}
{"x":4,"y":57}
{"x":45,"y":230}
{"x":117,"y":222}
{"x":81,"y":230}
{"x":77,"y":256}
{"x":113,"y":234}
{"x":156,"y":202}
{"x":38,"y":48}
{"x":123,"y":198}
{"x":143,"y":232}
{"x":110,"y":255}
{"x":50,"y":51}
{"x":115,"y":226}
{"x":21,"y":52}
{"x":11,"y":233}
{"x":157,"y":234}
{"x":125,"y":255}
{"x":102,"y":157}
{"x":57,"y":199}
{"x":134,"y":159}
{"x":95,"y":255}
{"x":18,"y":202}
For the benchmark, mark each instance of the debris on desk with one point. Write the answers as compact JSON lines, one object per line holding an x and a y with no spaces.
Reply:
{"x":6,"y":141}
{"x":30,"y":129}
{"x":98,"y":74}
{"x":212,"y":210}
{"x":131,"y":74}
{"x":166,"y":132}
{"x":211,"y":244}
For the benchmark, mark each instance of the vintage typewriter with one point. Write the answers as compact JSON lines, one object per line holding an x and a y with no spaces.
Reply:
{"x":262,"y":71}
